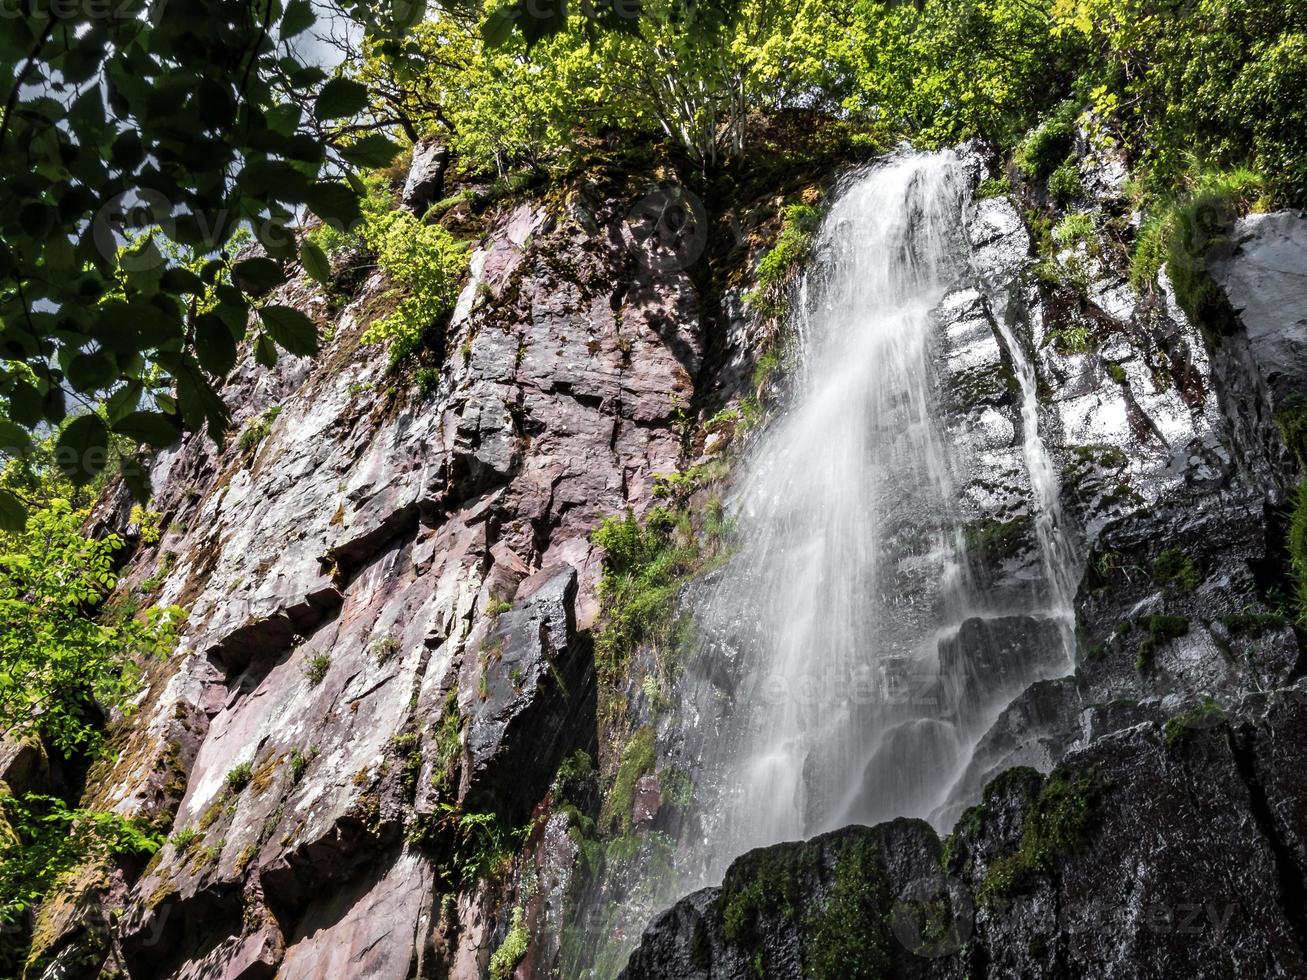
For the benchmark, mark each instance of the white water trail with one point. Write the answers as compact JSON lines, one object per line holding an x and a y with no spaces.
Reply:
{"x":849,"y":511}
{"x":825,"y":697}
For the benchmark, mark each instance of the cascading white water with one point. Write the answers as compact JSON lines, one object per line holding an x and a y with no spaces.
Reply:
{"x":851,"y":573}
{"x":856,"y":470}
{"x":852,"y":569}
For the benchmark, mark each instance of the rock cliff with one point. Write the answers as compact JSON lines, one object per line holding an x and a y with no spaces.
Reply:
{"x":393,"y":595}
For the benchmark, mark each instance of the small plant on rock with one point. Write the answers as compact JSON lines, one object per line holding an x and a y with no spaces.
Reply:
{"x":239,"y":777}
{"x":316,"y":668}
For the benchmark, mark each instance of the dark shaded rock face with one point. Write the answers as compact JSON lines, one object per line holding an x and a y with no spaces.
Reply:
{"x":1160,"y":851}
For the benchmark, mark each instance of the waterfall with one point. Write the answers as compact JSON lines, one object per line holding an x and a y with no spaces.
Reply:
{"x":838,"y":653}
{"x":862,"y":651}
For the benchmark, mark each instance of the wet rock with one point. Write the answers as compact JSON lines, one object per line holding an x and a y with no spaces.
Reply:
{"x":1262,"y":277}
{"x":1118,"y":864}
{"x":531,"y":710}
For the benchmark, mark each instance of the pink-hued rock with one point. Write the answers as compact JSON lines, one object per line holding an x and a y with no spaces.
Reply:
{"x":338,"y":575}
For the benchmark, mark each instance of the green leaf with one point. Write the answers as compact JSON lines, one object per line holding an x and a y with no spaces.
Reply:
{"x":82,"y":450}
{"x":371,"y":152}
{"x":298,"y":18}
{"x":258,"y":275}
{"x":124,"y":401}
{"x":315,"y":261}
{"x":340,"y":97}
{"x":13,"y":515}
{"x":14,"y":440}
{"x":292,"y":330}
{"x":93,"y":371}
{"x":148,"y":428}
{"x":215,"y":347}
{"x":265,"y":351}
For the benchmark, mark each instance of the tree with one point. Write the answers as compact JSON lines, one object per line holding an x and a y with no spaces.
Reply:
{"x":59,"y":666}
{"x":172,"y":120}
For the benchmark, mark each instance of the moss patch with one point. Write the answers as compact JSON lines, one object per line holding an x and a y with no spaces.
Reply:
{"x":842,"y":928}
{"x":1054,"y":824}
{"x":637,"y":760}
{"x":1174,"y":568}
{"x":1161,"y":630}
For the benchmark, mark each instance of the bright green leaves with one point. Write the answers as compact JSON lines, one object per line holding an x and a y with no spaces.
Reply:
{"x":429,"y":263}
{"x":53,"y":656}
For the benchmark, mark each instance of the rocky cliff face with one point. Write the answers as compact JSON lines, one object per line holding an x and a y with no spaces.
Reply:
{"x":392,"y":599}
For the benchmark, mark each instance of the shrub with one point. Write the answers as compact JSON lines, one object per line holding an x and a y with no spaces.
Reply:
{"x":316,"y":668}
{"x":1182,"y":232}
{"x":1050,"y":144}
{"x":258,"y":428}
{"x":645,"y":566}
{"x":1064,"y":183}
{"x":299,"y":763}
{"x":239,"y":777}
{"x":993,"y":187}
{"x":1075,"y":229}
{"x":428,"y":263}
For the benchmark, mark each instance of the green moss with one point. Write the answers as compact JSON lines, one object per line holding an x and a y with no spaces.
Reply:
{"x":512,"y":950}
{"x":998,"y":539}
{"x":843,"y":930}
{"x":676,"y":786}
{"x":637,"y":760}
{"x":1055,"y":824}
{"x":846,"y":938}
{"x":994,"y":187}
{"x":1115,"y":371}
{"x":1172,"y":567}
{"x":1252,"y":625}
{"x":1205,"y":714}
{"x":1161,"y":630}
{"x":1298,"y":550}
